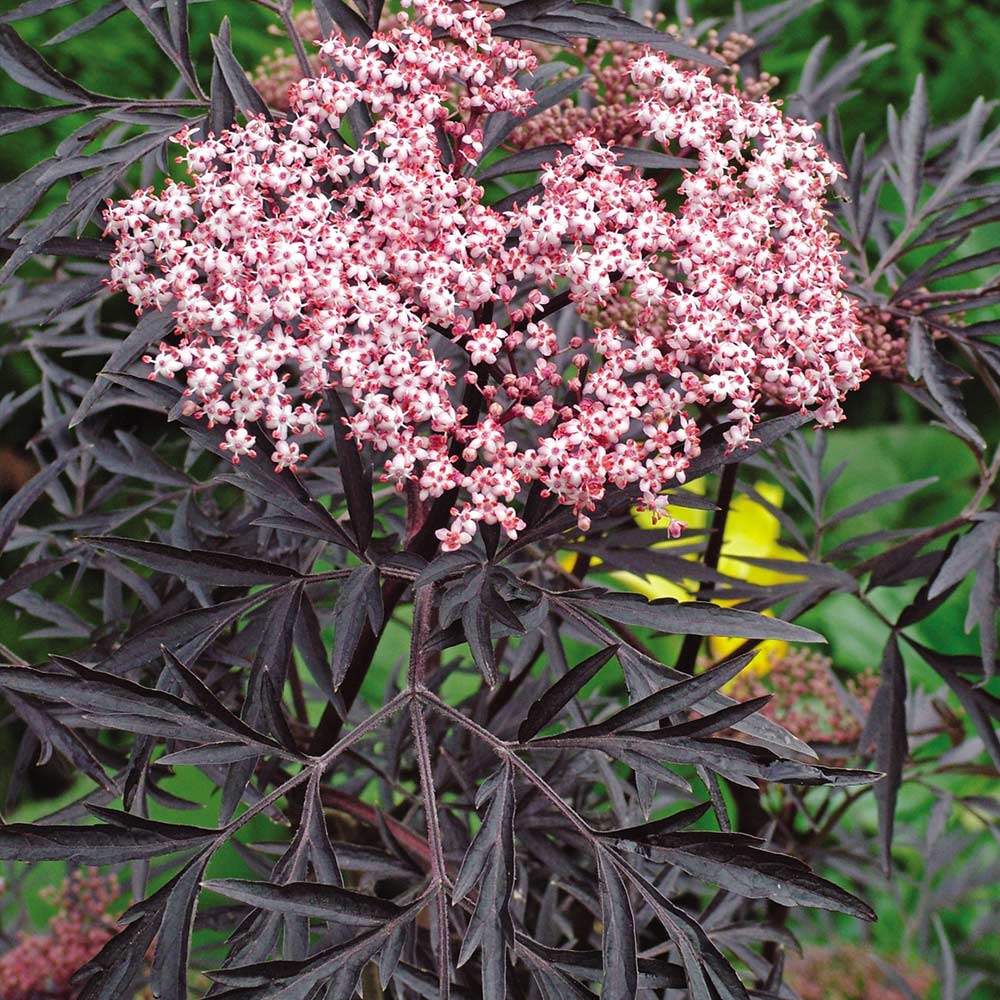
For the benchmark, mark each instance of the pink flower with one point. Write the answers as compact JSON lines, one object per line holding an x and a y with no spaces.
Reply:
{"x":41,"y":965}
{"x":300,"y":266}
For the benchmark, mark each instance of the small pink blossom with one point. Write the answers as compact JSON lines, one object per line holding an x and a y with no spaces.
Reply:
{"x":42,"y":965}
{"x":299,"y":266}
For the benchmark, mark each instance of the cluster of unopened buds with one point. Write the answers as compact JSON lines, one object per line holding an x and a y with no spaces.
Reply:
{"x":857,"y":972}
{"x":42,"y":965}
{"x":807,"y":699}
{"x":884,"y":333}
{"x":298,"y":264}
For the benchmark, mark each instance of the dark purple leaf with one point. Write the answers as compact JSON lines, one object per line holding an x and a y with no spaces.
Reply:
{"x":687,"y":617}
{"x":24,"y":65}
{"x":169,"y":972}
{"x":909,"y":143}
{"x":245,"y":96}
{"x":879,"y":499}
{"x":356,"y":476}
{"x":358,"y":604}
{"x":310,"y":899}
{"x":146,"y":644}
{"x":86,"y":23}
{"x":489,"y":862}
{"x":885,"y":736}
{"x":19,"y":119}
{"x":98,"y":845}
{"x":223,"y":569}
{"x":940,"y":378}
{"x":710,"y":976}
{"x":19,"y":504}
{"x":335,"y":16}
{"x":544,"y":709}
{"x":152,"y":327}
{"x":670,"y":700}
{"x":621,"y":967}
{"x":730,"y":862}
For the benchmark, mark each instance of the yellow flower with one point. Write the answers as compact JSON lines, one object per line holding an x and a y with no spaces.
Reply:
{"x":751,"y":531}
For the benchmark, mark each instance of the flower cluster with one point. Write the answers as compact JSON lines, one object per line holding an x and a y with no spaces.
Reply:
{"x":603,"y":107}
{"x":853,"y":972}
{"x":807,"y":700}
{"x":298,"y":264}
{"x":41,"y":965}
{"x":762,"y":308}
{"x":884,"y":339}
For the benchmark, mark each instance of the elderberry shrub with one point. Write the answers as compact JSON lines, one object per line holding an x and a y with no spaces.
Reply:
{"x":391,"y":553}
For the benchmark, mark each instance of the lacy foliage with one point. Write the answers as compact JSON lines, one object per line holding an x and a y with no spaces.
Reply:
{"x":446,"y":762}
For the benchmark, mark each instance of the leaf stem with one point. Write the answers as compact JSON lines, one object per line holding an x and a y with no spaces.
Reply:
{"x":317,"y":764}
{"x":713,"y":550}
{"x":439,"y":873}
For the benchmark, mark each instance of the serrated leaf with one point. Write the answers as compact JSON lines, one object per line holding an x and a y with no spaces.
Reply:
{"x":85,"y":24}
{"x":146,"y":644}
{"x":552,"y":702}
{"x":335,"y":14}
{"x":169,"y":970}
{"x":969,"y":552}
{"x":670,"y":700}
{"x":338,"y":966}
{"x":309,"y":899}
{"x":925,"y":363}
{"x":114,"y":971}
{"x":588,"y":965}
{"x":134,"y":707}
{"x":21,"y":502}
{"x":982,"y":707}
{"x":222,"y":569}
{"x":524,"y":161}
{"x":98,"y":844}
{"x":885,"y":735}
{"x":32,"y":8}
{"x":449,"y":564}
{"x":30,"y":573}
{"x":489,"y":862}
{"x":359,"y":604}
{"x":24,"y":65}
{"x":652,"y":159}
{"x":50,"y":732}
{"x":500,"y":125}
{"x":891,"y":495}
{"x":210,"y":753}
{"x":169,"y":33}
{"x":245,"y":96}
{"x":709,"y":975}
{"x":499,"y":817}
{"x":688,"y":617}
{"x":743,"y":763}
{"x":732,"y":863}
{"x":590,"y":20}
{"x":911,"y":145}
{"x":724,"y":718}
{"x":477,"y":627}
{"x":356,"y":476}
{"x":151,"y":328}
{"x":311,"y":647}
{"x":207,"y":700}
{"x":618,"y":944}
{"x":669,"y":824}
{"x":19,"y":119}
